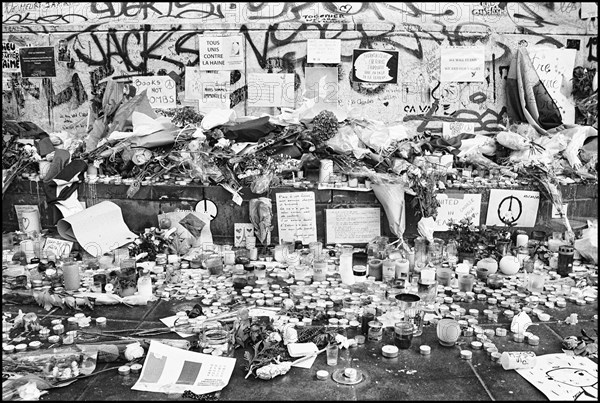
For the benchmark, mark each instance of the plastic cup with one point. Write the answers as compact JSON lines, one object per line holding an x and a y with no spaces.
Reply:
{"x":444,"y":276}
{"x":332,"y":354}
{"x":403,"y":334}
{"x":535,"y":281}
{"x":465,"y":282}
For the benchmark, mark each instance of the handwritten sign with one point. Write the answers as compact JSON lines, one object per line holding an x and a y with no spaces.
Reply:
{"x":296,"y":218}
{"x":453,"y":129}
{"x":221,"y":52}
{"x":555,"y":69}
{"x":10,"y":58}
{"x":161,"y":90}
{"x":58,"y":247}
{"x":26,"y":211}
{"x":214,"y":90}
{"x":517,"y":207}
{"x":353,"y":225}
{"x":37,"y":61}
{"x":462,"y":63}
{"x":324,"y":50}
{"x":456,"y":206}
{"x":375,"y":66}
{"x":271,"y":89}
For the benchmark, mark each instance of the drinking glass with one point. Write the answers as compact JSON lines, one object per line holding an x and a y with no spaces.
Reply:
{"x":535,"y":281}
{"x":403,"y":334}
{"x":332,"y":354}
{"x":465,"y":282}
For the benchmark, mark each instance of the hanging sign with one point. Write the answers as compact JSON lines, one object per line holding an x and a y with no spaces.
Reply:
{"x":456,"y":206}
{"x":160,"y":90}
{"x":221,"y":52}
{"x":513,"y":207}
{"x":462,"y":63}
{"x":10,"y":58}
{"x":37,"y":62}
{"x":296,"y":217}
{"x":324,"y":51}
{"x":352,"y":225}
{"x":375,"y":66}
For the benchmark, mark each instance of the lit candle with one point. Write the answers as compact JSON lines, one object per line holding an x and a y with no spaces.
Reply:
{"x":376,"y":269}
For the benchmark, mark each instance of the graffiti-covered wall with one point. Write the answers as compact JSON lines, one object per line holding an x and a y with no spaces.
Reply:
{"x":95,"y":41}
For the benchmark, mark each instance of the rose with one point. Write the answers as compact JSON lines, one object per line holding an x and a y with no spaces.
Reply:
{"x":133,"y":351}
{"x":165,"y":223}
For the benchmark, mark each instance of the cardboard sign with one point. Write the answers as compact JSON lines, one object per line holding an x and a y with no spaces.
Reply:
{"x":10,"y":58}
{"x":518,"y":207}
{"x":456,"y":206}
{"x":37,"y":62}
{"x":375,"y":66}
{"x":352,"y":225}
{"x":296,"y":218}
{"x":324,"y":51}
{"x":161,"y":90}
{"x":462,"y":64}
{"x":271,"y":89}
{"x":221,"y":52}
{"x":58,"y":247}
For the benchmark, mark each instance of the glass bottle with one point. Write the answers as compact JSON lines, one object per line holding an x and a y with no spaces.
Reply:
{"x":144,"y":284}
{"x":452,"y":252}
{"x":420,"y":253}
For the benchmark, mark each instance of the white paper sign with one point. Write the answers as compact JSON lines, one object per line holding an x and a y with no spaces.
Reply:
{"x":214,"y":90}
{"x":555,"y":69}
{"x":518,"y":207}
{"x":589,"y":9}
{"x":28,"y":211}
{"x":271,"y":89}
{"x":462,"y":63}
{"x":324,"y":50}
{"x":169,"y":369}
{"x":353,"y":225}
{"x":456,"y":206}
{"x":453,"y":129}
{"x":221,"y":52}
{"x":563,"y":377}
{"x":242,"y":231}
{"x":160,"y":90}
{"x":10,"y":58}
{"x":296,"y":217}
{"x":58,"y":247}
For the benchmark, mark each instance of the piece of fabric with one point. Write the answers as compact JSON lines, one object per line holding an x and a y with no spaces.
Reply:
{"x":252,"y":130}
{"x":60,"y":160}
{"x":66,"y":182}
{"x":527,"y":99}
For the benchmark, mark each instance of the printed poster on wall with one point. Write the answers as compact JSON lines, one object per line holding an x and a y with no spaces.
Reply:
{"x":515,"y":207}
{"x":456,"y":206}
{"x":221,"y":52}
{"x":271,"y":89}
{"x":296,"y":217}
{"x":324,"y":51}
{"x":161,"y":90}
{"x":374,"y":66}
{"x":352,"y":225}
{"x":10,"y":58}
{"x":37,"y":62}
{"x":555,"y":69}
{"x":462,"y":64}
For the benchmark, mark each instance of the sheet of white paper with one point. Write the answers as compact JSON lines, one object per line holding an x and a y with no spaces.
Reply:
{"x":518,"y":207}
{"x":170,"y":322}
{"x":221,"y":52}
{"x":589,"y":9}
{"x":173,"y":370}
{"x":98,"y":229}
{"x":561,"y":377}
{"x":161,"y":90}
{"x":214,"y":90}
{"x":296,"y":217}
{"x":298,"y":350}
{"x":70,"y":206}
{"x":271,"y":89}
{"x":462,"y":63}
{"x":324,"y":50}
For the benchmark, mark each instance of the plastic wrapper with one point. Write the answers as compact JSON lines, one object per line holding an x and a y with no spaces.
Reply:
{"x":511,"y":140}
{"x":270,"y":371}
{"x":251,"y":130}
{"x":261,"y":183}
{"x":391,"y":196}
{"x":520,"y":323}
{"x":478,"y":144}
{"x":426,"y":227}
{"x":587,"y":245}
{"x":378,"y":136}
{"x":346,"y":141}
{"x":261,"y":216}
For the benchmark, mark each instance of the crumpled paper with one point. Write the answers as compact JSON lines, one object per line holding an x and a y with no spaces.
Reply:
{"x":520,"y":323}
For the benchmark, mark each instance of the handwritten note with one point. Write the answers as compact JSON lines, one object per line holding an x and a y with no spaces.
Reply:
{"x":353,"y":225}
{"x":456,"y":206}
{"x":462,"y":63}
{"x":160,"y":90}
{"x":324,"y":50}
{"x":58,"y":247}
{"x":271,"y":89}
{"x":296,"y":218}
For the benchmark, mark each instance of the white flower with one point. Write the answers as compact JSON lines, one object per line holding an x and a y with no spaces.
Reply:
{"x":222,"y":143}
{"x":133,"y":351}
{"x":290,"y":335}
{"x":274,"y":337}
{"x":342,"y":341}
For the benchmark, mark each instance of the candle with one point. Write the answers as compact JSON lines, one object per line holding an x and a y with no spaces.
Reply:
{"x":388,"y":270}
{"x":427,"y":276}
{"x":402,"y":268}
{"x":376,"y":269}
{"x":411,"y":260}
{"x":522,"y":240}
{"x":71,"y":277}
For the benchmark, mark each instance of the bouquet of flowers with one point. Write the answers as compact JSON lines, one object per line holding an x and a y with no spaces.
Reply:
{"x":16,"y":158}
